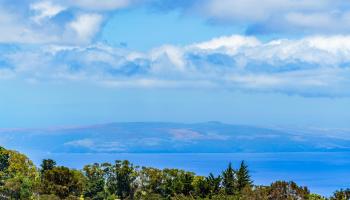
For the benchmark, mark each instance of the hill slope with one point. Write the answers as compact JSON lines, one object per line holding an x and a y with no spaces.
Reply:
{"x":210,"y":137}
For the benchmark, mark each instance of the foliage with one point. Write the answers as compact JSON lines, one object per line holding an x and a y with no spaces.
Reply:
{"x":229,"y":180}
{"x":19,"y":179}
{"x":18,"y":176}
{"x":151,"y":180}
{"x":175,"y":182}
{"x":316,"y":197}
{"x":120,"y":179}
{"x":47,"y":164}
{"x":4,"y":159}
{"x":62,"y":182}
{"x":282,"y":190}
{"x":243,"y":177}
{"x":213,"y":183}
{"x":201,"y":186}
{"x":95,"y":182}
{"x":341,"y":195}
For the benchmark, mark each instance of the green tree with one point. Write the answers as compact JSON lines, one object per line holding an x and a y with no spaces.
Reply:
{"x":281,"y":190}
{"x":150,"y":180}
{"x":62,"y":182}
{"x":4,"y":159}
{"x":229,"y":180}
{"x":121,"y":179}
{"x":47,"y":164}
{"x":243,"y":177}
{"x":172,"y":184}
{"x":95,"y":182}
{"x":187,"y":179}
{"x":341,"y":195}
{"x":18,"y":176}
{"x":316,"y":197}
{"x":201,"y":186}
{"x":255,"y":193}
{"x":213,"y":183}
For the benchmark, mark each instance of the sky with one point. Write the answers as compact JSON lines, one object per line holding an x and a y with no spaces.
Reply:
{"x":270,"y":63}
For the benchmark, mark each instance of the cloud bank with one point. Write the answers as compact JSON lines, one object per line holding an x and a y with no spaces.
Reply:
{"x":80,"y":21}
{"x":288,"y":17}
{"x":57,"y":41}
{"x":312,"y":66}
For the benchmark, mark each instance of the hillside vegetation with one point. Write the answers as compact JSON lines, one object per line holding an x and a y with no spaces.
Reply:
{"x":21,"y":179}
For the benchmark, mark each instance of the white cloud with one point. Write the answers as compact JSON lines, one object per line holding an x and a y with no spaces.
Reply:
{"x":192,"y":136}
{"x":85,"y":27}
{"x":98,"y":146}
{"x":232,"y":43}
{"x":279,"y":16}
{"x":310,"y":66}
{"x":256,"y":10}
{"x":314,"y":20}
{"x":45,"y":9}
{"x":15,"y":30}
{"x":76,"y":26}
{"x":173,"y":54}
{"x":326,"y":21}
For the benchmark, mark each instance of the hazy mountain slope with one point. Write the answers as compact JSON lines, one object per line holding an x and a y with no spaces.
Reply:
{"x":172,"y":138}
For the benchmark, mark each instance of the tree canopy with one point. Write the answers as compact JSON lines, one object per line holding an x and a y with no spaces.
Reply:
{"x":21,"y":179}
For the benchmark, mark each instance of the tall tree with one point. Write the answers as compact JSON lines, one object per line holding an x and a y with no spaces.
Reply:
{"x":229,"y":180}
{"x":281,"y":190}
{"x":187,"y":179}
{"x":201,"y":186}
{"x":62,"y":182}
{"x":151,"y":180}
{"x":95,"y":182}
{"x":47,"y":164}
{"x":176,"y":182}
{"x":18,"y":176}
{"x":243,"y":177}
{"x":213,"y":183}
{"x":4,"y":159}
{"x":341,"y":195}
{"x":120,"y":179}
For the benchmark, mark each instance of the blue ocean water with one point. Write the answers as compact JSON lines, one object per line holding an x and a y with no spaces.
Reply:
{"x":322,"y":172}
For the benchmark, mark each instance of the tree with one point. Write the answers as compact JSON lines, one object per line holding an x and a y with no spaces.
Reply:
{"x":281,"y":190}
{"x":229,"y":180}
{"x":187,"y":179}
{"x":255,"y":193}
{"x":316,"y":197}
{"x":62,"y":182}
{"x":4,"y":164}
{"x":95,"y":182}
{"x":4,"y":159}
{"x":18,"y":176}
{"x":341,"y":195}
{"x":47,"y":164}
{"x":120,"y":179}
{"x":19,"y":179}
{"x":243,"y":177}
{"x":213,"y":183}
{"x":150,"y":180}
{"x":201,"y":186}
{"x":172,"y":183}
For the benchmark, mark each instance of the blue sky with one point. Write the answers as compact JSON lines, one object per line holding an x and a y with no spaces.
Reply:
{"x":283,"y":63}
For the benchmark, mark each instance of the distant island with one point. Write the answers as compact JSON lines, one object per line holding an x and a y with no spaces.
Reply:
{"x":21,"y":179}
{"x":165,"y":137}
